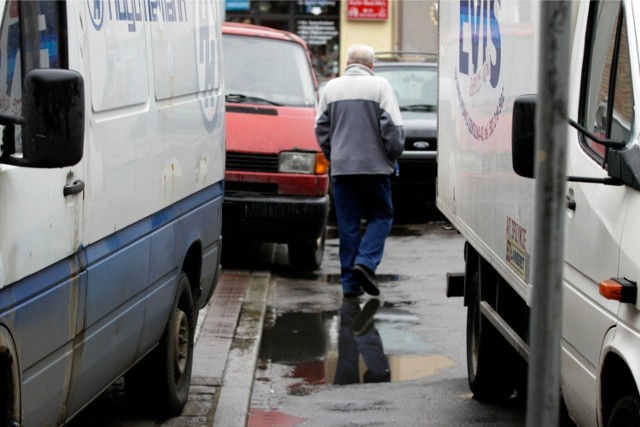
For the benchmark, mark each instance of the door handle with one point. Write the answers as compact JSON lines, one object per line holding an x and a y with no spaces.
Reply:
{"x":75,"y":188}
{"x":571,"y":203}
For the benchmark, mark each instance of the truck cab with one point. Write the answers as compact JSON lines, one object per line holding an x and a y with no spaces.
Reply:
{"x":486,"y":182}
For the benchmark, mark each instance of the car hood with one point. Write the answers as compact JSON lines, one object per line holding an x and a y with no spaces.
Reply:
{"x":420,"y":124}
{"x":269,"y":129}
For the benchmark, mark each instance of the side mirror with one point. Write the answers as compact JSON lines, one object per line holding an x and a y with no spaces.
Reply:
{"x":52,"y":122}
{"x":523,"y":135}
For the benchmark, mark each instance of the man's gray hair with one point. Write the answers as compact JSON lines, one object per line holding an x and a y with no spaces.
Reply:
{"x":360,"y":54}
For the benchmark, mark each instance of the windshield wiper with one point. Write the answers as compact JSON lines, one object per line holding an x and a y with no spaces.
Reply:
{"x":240,"y":98}
{"x":418,"y":107}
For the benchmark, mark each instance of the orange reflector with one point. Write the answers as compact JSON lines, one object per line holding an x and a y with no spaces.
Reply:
{"x":322,"y":164}
{"x":611,"y":289}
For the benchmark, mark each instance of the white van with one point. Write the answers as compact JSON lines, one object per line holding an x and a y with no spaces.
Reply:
{"x":111,"y":185}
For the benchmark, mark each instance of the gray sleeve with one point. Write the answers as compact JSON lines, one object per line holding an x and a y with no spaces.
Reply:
{"x":323,"y":128}
{"x":391,"y":128}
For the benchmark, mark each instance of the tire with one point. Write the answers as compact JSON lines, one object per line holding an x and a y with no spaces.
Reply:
{"x":490,"y":359}
{"x":626,"y":413}
{"x":306,"y":256}
{"x":162,"y":379}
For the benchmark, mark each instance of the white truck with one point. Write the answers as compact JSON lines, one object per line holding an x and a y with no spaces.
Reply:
{"x":111,"y":188}
{"x":488,"y":61}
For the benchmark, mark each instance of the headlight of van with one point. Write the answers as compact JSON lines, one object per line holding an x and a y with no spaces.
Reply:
{"x":297,"y":162}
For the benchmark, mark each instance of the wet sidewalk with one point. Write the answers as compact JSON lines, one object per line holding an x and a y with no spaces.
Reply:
{"x":226,"y":351}
{"x":228,"y":336}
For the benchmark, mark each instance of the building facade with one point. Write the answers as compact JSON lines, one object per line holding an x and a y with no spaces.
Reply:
{"x":330,"y":26}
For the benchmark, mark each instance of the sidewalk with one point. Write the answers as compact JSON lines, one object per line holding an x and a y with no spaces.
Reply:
{"x":226,"y":351}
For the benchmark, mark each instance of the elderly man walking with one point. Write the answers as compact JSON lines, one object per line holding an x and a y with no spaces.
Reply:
{"x":359,"y":129}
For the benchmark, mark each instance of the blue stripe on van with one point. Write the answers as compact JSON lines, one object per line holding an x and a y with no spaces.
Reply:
{"x":45,"y":312}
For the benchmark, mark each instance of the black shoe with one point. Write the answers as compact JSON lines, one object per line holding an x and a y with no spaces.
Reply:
{"x":383,"y":377}
{"x":367,"y":279}
{"x":363,"y":323}
{"x":353,"y":294}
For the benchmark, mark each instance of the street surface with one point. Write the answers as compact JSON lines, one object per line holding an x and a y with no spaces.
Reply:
{"x":307,"y":343}
{"x":422,"y":337}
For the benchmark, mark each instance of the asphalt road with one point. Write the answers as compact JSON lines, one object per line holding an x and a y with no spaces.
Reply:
{"x":310,"y":367}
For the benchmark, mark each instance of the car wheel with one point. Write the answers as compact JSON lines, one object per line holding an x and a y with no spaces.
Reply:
{"x":489,"y":356}
{"x":162,"y":379}
{"x":626,"y":413}
{"x":307,"y":255}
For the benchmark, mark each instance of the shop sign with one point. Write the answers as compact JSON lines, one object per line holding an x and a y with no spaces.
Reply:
{"x":234,"y":5}
{"x":316,"y":33}
{"x":367,"y":10}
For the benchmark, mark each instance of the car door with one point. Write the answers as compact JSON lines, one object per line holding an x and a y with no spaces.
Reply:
{"x":40,"y":224}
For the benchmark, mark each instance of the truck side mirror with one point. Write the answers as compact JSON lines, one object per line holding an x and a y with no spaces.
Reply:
{"x":52,"y":122}
{"x":523,"y":135}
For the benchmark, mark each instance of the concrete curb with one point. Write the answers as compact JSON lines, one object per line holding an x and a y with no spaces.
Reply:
{"x":234,"y":400}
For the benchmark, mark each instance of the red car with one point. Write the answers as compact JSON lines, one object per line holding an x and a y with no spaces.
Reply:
{"x":276,"y":185}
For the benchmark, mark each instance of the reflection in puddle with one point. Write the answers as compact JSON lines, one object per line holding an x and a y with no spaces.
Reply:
{"x":358,"y":344}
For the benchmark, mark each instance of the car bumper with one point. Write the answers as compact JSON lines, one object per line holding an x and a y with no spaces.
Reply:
{"x":416,"y":178}
{"x":274,"y":219}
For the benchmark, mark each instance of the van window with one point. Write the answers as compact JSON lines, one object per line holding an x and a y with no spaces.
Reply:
{"x":608,"y":112}
{"x":277,"y":71}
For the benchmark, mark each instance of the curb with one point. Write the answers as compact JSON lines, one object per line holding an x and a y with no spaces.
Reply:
{"x":234,"y":401}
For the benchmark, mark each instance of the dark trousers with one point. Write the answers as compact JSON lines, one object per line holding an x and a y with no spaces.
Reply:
{"x":358,"y":197}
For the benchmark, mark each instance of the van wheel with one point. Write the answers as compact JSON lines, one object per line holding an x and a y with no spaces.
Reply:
{"x":626,"y":413}
{"x":162,"y":379}
{"x":307,"y":255}
{"x":489,"y":356}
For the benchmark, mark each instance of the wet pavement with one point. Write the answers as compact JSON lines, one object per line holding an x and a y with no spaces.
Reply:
{"x":300,"y":354}
{"x":321,"y":364}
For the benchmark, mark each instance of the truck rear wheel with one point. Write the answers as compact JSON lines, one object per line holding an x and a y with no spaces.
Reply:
{"x":307,"y":255}
{"x":626,"y":413}
{"x":489,"y":356}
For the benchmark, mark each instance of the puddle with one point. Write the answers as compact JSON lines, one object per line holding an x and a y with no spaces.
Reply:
{"x":360,"y":343}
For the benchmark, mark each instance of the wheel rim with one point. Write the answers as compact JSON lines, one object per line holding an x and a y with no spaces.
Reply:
{"x":180,"y":345}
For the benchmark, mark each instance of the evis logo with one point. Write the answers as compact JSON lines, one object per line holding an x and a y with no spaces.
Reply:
{"x":478,"y":72}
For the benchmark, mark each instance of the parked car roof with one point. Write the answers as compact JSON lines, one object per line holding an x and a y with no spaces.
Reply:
{"x":260,"y":31}
{"x":405,"y":57}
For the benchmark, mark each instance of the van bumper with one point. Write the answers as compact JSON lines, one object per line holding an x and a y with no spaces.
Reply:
{"x":274,"y":219}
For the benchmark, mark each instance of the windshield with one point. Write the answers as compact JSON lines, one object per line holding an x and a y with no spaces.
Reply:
{"x":415,"y":87}
{"x":261,"y":70}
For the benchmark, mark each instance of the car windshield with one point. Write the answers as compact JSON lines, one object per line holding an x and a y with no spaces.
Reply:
{"x":265,"y":71}
{"x":415,"y":87}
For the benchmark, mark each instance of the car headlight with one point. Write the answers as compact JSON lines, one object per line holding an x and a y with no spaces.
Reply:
{"x":297,"y":162}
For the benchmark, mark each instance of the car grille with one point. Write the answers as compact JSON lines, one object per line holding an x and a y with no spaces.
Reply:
{"x":409,"y":141}
{"x":252,"y":162}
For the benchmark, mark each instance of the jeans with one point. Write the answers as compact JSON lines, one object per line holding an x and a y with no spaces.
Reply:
{"x":350,"y":347}
{"x":358,"y":197}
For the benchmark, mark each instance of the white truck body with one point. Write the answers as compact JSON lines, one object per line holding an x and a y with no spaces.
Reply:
{"x":94,"y":252}
{"x":488,"y":58}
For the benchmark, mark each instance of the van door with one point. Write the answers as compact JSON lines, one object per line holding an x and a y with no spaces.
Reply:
{"x":40,"y":224}
{"x":595,"y":213}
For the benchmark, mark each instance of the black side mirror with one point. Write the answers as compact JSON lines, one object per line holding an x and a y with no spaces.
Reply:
{"x":52,"y":122}
{"x":523,"y":135}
